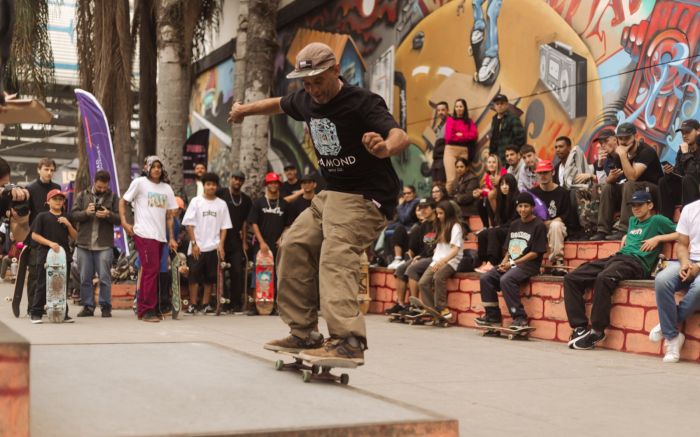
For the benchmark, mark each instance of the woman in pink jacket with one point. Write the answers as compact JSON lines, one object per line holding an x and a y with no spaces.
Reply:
{"x":460,"y":139}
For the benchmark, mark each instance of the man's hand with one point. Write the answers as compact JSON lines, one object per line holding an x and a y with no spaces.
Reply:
{"x":102,"y":213}
{"x":684,"y":147}
{"x":375,"y":144}
{"x":504,"y":267}
{"x":668,"y":168}
{"x":621,"y":151}
{"x":196,"y":251}
{"x":602,"y":155}
{"x":476,"y":192}
{"x":90,"y":210}
{"x":438,"y":265}
{"x":614,"y":175}
{"x":237,"y":114}
{"x":583,"y":178}
{"x":19,"y":194}
{"x":56,"y":248}
{"x":128,"y":229}
{"x":264,"y":248}
{"x":64,"y":221}
{"x":221,"y":251}
{"x":650,"y":244}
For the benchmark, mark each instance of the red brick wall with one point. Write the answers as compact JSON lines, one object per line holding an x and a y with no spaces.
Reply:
{"x":14,"y":384}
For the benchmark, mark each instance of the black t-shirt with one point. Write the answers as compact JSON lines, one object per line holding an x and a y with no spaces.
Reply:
{"x":286,"y":188}
{"x":46,"y":224}
{"x":557,"y":201}
{"x":336,"y":130}
{"x":421,"y":240}
{"x":37,"y":202}
{"x":295,"y":208}
{"x":645,"y":155}
{"x":523,"y":238}
{"x":270,"y":216}
{"x":238,"y":210}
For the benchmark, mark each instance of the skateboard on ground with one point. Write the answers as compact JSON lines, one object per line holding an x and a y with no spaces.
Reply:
{"x":220,"y":299}
{"x":512,"y":333}
{"x":429,"y":315}
{"x":56,"y":279}
{"x":176,"y":302}
{"x":20,"y":280}
{"x":264,"y":283}
{"x":316,"y":370}
{"x":549,"y":269}
{"x":363,"y":295}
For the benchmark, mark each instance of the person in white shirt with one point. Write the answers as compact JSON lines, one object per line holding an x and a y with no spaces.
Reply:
{"x":154,"y":207}
{"x":207,"y":220}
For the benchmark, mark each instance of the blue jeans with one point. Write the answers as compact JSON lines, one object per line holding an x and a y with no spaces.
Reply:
{"x":89,"y":262}
{"x":491,"y":37}
{"x":666,"y":284}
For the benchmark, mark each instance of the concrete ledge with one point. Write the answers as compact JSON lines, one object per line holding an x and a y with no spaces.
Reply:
{"x":14,"y":383}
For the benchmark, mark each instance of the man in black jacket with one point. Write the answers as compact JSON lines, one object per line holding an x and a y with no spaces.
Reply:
{"x":681,"y":183}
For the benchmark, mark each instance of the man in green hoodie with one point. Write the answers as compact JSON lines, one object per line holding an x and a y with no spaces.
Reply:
{"x":506,"y":128}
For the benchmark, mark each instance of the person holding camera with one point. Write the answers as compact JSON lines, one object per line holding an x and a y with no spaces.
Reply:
{"x":10,"y":195}
{"x":95,"y":213}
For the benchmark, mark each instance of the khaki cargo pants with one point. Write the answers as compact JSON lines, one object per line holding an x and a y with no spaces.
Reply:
{"x":323,"y":246}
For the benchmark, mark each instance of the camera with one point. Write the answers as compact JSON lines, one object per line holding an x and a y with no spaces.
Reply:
{"x":21,"y":207}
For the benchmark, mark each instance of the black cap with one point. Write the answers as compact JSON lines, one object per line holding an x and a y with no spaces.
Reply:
{"x":425,"y":202}
{"x":688,"y":125}
{"x":525,"y":197}
{"x":238,"y":174}
{"x":288,"y":165}
{"x":640,"y":196}
{"x":500,"y":98}
{"x":308,"y":178}
{"x":605,"y":134}
{"x":626,"y":129}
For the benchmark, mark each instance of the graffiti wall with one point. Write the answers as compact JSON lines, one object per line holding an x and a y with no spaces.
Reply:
{"x":570,"y":67}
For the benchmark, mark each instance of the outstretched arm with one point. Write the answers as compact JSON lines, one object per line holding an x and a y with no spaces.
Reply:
{"x":239,"y":110}
{"x":395,"y":143}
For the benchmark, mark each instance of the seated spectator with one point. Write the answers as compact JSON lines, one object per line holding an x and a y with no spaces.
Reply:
{"x":556,"y":199}
{"x":460,"y":139}
{"x":680,"y":184}
{"x":527,"y":178}
{"x":399,"y":241}
{"x":492,"y":175}
{"x":635,"y":260}
{"x":437,"y":170}
{"x":490,"y":249}
{"x":526,"y":243}
{"x":405,"y":218}
{"x":514,"y":161}
{"x":572,"y":172}
{"x":636,"y":167}
{"x":439,"y":193}
{"x":13,"y":253}
{"x":421,"y":247}
{"x":446,"y":258}
{"x":679,"y":275}
{"x":464,"y":189}
{"x":607,"y":143}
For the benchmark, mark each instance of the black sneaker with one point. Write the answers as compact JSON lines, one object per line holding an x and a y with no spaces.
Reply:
{"x":518,"y":322}
{"x":208,"y":310}
{"x":588,"y":341}
{"x":295,"y":344}
{"x":617,"y":235}
{"x":410,"y":311}
{"x":106,"y":312}
{"x":36,"y":319}
{"x":86,"y":312}
{"x":577,"y":334}
{"x":68,"y":319}
{"x":191,"y":310}
{"x":151,"y":317}
{"x":488,"y":320}
{"x":396,"y":309}
{"x":598,"y":236}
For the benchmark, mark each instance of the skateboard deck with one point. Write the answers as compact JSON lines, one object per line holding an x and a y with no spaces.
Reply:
{"x":430,"y":314}
{"x":264,"y":283}
{"x":316,"y":370}
{"x":56,"y":280}
{"x":24,"y":111}
{"x":220,"y":299}
{"x":363,"y":295}
{"x":176,"y":302}
{"x":248,"y":299}
{"x":511,"y":333}
{"x":549,"y":269}
{"x":20,"y":280}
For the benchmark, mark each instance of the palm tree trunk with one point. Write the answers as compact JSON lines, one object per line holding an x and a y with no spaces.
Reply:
{"x":238,"y":84}
{"x":147,"y":78}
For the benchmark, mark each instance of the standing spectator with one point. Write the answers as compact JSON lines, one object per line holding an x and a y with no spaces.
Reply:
{"x":680,"y":184}
{"x":50,"y":230}
{"x":506,"y":128}
{"x":154,"y":208}
{"x":308,"y":188}
{"x":207,"y":220}
{"x":460,"y":139}
{"x":465,"y":189}
{"x":679,"y":275}
{"x":196,"y":189}
{"x":639,"y":164}
{"x":37,"y":204}
{"x":526,"y":243}
{"x":635,"y":260}
{"x":235,"y":244}
{"x":437,"y":170}
{"x":96,"y":212}
{"x":490,"y":240}
{"x":557,"y":201}
{"x":438,"y":193}
{"x":486,"y":192}
{"x":514,"y":161}
{"x":527,"y":178}
{"x":291,"y":190}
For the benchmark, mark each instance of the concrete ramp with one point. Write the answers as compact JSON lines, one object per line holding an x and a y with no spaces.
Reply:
{"x":159,"y":389}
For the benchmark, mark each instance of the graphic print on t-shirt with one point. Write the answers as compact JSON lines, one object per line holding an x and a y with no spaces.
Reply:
{"x":518,"y":244}
{"x":157,"y":200}
{"x":325,"y":136}
{"x":552,"y":209}
{"x":209,"y":213}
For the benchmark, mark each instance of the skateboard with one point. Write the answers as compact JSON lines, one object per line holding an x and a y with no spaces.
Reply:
{"x":316,"y":370}
{"x":512,"y":333}
{"x":264,"y":283}
{"x":175,"y":264}
{"x":21,"y":278}
{"x":363,"y":296}
{"x":220,"y":299}
{"x":248,"y":300}
{"x":56,"y":279}
{"x":549,"y":269}
{"x":428,"y":316}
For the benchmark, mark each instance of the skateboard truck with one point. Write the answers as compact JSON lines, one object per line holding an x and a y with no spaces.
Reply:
{"x":311,"y":371}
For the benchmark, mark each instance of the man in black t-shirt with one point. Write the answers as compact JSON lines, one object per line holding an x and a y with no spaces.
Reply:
{"x":268,"y":217}
{"x":354,"y":136}
{"x":308,"y":189}
{"x":525,"y":245}
{"x":290,"y":190}
{"x":680,"y":184}
{"x":639,"y":164}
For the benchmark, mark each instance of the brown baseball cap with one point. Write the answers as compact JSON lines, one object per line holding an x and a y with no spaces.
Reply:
{"x":313,"y":59}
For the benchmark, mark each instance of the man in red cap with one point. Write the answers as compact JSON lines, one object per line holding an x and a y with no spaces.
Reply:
{"x":354,"y":136}
{"x":557,"y":201}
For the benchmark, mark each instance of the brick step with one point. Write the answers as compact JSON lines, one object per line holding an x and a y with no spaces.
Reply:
{"x":633,"y":313}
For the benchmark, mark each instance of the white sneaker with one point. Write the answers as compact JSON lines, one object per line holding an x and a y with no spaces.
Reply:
{"x":673,"y":349}
{"x":655,"y":335}
{"x":477,"y":36}
{"x":395,"y":263}
{"x":488,"y":69}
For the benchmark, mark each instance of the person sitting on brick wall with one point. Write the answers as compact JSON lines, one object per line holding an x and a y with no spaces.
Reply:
{"x":527,"y":178}
{"x":680,"y":184}
{"x":683,"y":274}
{"x":490,"y":241}
{"x":525,"y":245}
{"x":635,"y":260}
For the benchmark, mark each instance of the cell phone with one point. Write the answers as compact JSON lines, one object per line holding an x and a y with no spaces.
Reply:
{"x":665,"y":163}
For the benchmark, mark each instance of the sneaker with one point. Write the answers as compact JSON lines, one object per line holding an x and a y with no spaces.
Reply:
{"x":489,"y":320}
{"x":485,"y":267}
{"x":191,"y":310}
{"x":295,"y":344}
{"x":518,"y":322}
{"x":446,"y":314}
{"x":598,"y":236}
{"x":86,"y":312}
{"x":68,"y":319}
{"x":577,"y":334}
{"x":488,"y":70}
{"x":617,"y":235}
{"x":150,"y":317}
{"x":410,"y":311}
{"x":338,"y":350}
{"x":672,"y":348}
{"x":106,"y":312}
{"x":477,"y":36}
{"x":558,"y":268}
{"x":396,"y":309}
{"x":208,"y":310}
{"x":655,"y":335}
{"x":36,"y":319}
{"x":395,"y":263}
{"x":588,"y":341}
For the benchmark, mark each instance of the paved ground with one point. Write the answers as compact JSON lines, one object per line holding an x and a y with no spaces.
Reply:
{"x":492,"y":386}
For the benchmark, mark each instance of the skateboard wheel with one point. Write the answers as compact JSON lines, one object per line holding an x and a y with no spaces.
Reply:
{"x":279,"y":365}
{"x":344,"y":379}
{"x":185,"y":302}
{"x":306,"y":376}
{"x":511,"y":336}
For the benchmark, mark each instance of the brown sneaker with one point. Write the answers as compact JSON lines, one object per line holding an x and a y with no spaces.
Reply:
{"x":337,"y":352}
{"x":150,"y":317}
{"x":294,"y":344}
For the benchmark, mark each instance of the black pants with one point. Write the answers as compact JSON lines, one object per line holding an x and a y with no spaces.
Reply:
{"x":676,"y":190}
{"x":491,"y":244}
{"x":39,"y":298}
{"x":509,"y":283}
{"x":604,"y":275}
{"x":165,"y":290}
{"x":31,"y":278}
{"x":400,"y":238}
{"x":233,"y":288}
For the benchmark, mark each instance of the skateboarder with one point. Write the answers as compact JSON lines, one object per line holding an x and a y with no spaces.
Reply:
{"x":354,"y":136}
{"x":525,"y":245}
{"x":50,"y":230}
{"x":206,"y":220}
